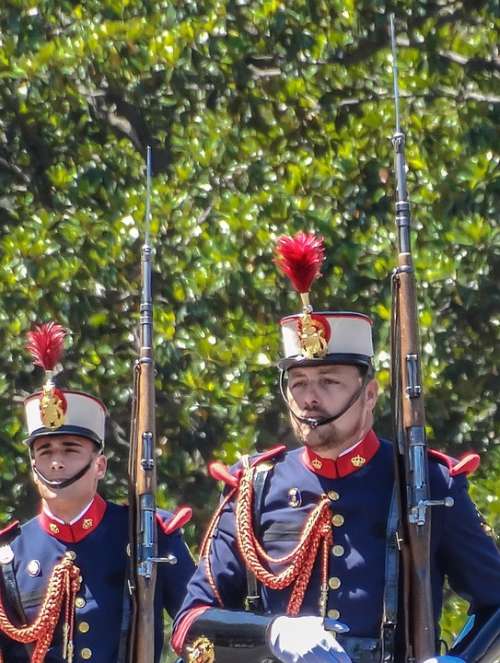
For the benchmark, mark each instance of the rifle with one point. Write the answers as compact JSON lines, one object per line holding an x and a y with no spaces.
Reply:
{"x":408,"y":414}
{"x":142,"y":472}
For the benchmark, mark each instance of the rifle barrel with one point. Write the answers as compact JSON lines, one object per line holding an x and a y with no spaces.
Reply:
{"x":142,"y":483}
{"x":410,"y":414}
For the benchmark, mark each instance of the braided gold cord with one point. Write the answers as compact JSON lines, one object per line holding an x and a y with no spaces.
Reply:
{"x":63,"y":585}
{"x":323,"y":592}
{"x":212,"y":583}
{"x":303,"y":556}
{"x":206,"y":545}
{"x":207,"y":539}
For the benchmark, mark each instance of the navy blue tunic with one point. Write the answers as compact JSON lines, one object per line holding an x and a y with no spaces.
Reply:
{"x":102,"y":559}
{"x":460,"y":548}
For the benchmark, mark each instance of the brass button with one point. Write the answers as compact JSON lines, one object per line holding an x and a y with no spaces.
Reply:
{"x":338,"y":551}
{"x":333,"y":495}
{"x":337,"y":520}
{"x":333,"y":614}
{"x":86,"y":653}
{"x":334,"y":583}
{"x":80,"y":602}
{"x":84,"y":627}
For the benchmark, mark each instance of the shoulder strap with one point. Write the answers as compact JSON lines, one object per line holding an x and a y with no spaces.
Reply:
{"x":126,"y":619}
{"x":11,"y":594}
{"x":391,"y":587}
{"x":8,"y":575}
{"x":253,"y":601}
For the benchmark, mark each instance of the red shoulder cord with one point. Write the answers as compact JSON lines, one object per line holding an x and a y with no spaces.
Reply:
{"x":316,"y":531}
{"x":61,"y":593}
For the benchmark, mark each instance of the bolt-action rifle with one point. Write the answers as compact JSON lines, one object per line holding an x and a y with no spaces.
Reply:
{"x":409,"y":420}
{"x":142,"y":472}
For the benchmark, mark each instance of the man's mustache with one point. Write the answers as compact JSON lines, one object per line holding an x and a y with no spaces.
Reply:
{"x":315,"y":412}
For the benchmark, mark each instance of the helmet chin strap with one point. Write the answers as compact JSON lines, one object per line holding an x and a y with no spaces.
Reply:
{"x":58,"y":484}
{"x":314,"y":422}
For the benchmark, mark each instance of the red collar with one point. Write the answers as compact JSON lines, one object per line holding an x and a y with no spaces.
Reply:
{"x":346,"y":464}
{"x":78,"y":530}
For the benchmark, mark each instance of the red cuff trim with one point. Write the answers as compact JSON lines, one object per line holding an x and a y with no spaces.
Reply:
{"x":181,"y":630}
{"x":9,"y":528}
{"x":466,"y":465}
{"x":182,"y":516}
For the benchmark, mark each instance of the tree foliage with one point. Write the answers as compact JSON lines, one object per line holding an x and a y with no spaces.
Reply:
{"x":264,"y":117}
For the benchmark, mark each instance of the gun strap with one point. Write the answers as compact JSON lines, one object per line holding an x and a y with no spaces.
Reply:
{"x":126,"y":620}
{"x":391,"y":585}
{"x":12,"y":593}
{"x":253,"y":601}
{"x":13,"y":600}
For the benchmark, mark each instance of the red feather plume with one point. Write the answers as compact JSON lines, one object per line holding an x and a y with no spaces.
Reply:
{"x":300,"y":258}
{"x":46,"y":344}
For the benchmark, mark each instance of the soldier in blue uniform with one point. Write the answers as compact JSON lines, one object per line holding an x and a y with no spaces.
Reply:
{"x":63,"y":574}
{"x":300,"y":562}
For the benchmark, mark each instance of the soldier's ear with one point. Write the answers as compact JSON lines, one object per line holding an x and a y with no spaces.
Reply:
{"x":101,"y":465}
{"x":371,"y":393}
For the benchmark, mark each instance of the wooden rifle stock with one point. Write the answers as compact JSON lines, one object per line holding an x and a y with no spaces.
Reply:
{"x":409,"y":422}
{"x":142,"y":474}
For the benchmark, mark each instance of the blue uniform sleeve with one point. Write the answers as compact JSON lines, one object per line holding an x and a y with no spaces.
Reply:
{"x":226,"y":582}
{"x":174,"y":577}
{"x":468,"y":555}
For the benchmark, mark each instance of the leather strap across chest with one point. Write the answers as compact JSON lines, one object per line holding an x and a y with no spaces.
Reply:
{"x":253,"y":601}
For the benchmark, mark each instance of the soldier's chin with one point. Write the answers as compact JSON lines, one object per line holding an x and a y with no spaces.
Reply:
{"x":56,"y":491}
{"x":311,"y":438}
{"x":50,"y":492}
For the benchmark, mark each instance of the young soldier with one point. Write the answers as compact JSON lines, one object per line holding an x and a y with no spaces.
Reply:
{"x":300,"y":562}
{"x":64,"y":594}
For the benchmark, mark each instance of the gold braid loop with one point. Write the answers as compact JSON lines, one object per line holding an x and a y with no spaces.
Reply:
{"x":302,"y":558}
{"x":63,"y":586}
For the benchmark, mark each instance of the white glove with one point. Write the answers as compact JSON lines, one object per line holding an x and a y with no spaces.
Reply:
{"x":305,"y":640}
{"x":444,"y":659}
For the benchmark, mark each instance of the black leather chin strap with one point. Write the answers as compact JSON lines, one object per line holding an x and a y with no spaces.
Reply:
{"x":314,"y":422}
{"x":57,"y":484}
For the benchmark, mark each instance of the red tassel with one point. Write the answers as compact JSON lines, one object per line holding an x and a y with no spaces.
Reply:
{"x":46,"y":344}
{"x":300,"y":258}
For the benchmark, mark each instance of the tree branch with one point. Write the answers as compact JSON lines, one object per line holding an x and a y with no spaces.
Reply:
{"x":473,"y":63}
{"x":15,"y":170}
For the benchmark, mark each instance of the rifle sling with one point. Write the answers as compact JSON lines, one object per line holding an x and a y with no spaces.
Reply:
{"x":13,"y":598}
{"x":126,"y":620}
{"x":253,"y":601}
{"x":391,"y":584}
